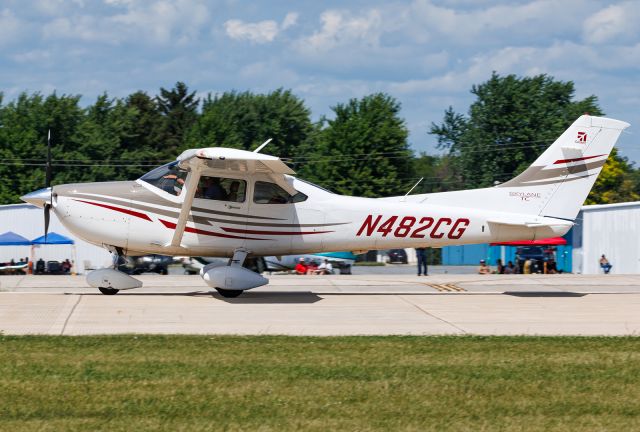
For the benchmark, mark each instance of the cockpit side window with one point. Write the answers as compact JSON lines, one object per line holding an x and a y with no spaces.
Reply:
{"x":170,"y":178}
{"x":222,"y":189}
{"x":271,"y":193}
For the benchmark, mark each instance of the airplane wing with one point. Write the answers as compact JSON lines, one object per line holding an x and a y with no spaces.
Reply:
{"x":234,"y":160}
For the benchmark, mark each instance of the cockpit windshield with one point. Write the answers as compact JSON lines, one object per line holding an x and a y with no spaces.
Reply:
{"x":170,"y":178}
{"x":314,"y":185}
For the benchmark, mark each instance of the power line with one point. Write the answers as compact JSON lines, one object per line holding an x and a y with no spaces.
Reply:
{"x":515,"y":145}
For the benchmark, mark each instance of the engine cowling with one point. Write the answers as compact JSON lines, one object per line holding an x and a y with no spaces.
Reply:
{"x":231,"y":277}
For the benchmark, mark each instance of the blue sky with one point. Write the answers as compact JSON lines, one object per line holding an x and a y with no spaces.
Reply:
{"x":425,"y":53}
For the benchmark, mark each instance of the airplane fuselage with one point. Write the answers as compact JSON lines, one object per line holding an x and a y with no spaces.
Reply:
{"x":140,"y":218}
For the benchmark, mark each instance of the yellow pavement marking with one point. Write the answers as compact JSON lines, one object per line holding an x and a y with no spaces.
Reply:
{"x":447,"y":287}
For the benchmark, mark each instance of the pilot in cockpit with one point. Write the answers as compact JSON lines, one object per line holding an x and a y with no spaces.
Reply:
{"x":213,"y":190}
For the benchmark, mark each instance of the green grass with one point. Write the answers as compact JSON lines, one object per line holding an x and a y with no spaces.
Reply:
{"x":133,"y":383}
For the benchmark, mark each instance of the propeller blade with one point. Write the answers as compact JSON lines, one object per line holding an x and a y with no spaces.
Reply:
{"x":47,"y":181}
{"x":47,"y":207}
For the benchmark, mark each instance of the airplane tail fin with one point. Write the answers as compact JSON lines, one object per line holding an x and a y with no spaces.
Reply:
{"x":557,"y":183}
{"x":565,"y":173}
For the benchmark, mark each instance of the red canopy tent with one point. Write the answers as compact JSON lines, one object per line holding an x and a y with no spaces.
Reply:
{"x":555,"y":241}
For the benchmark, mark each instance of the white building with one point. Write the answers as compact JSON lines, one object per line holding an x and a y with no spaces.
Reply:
{"x":28,"y":221}
{"x":612,"y":230}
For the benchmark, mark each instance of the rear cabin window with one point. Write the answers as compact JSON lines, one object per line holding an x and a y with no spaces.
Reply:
{"x":221,"y":189}
{"x":170,"y":178}
{"x":271,"y":193}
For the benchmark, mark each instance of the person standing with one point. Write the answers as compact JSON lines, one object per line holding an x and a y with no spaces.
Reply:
{"x":421,"y":254}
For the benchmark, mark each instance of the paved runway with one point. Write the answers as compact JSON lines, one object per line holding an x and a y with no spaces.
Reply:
{"x":330,"y":305}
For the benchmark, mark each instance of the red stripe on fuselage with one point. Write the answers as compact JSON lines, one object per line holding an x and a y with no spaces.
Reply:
{"x":172,"y":225}
{"x":576,"y":159}
{"x":118,"y":209}
{"x":246,"y":231}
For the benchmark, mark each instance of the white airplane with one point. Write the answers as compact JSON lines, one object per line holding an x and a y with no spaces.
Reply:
{"x":234,"y":203}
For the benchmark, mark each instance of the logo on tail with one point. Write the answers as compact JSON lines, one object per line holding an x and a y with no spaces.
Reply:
{"x":582,"y":138}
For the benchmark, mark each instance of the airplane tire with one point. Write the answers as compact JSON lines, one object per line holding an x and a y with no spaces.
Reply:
{"x":227,"y":293}
{"x":108,"y":291}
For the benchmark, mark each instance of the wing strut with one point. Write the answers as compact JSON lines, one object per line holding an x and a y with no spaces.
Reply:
{"x":189,"y":190}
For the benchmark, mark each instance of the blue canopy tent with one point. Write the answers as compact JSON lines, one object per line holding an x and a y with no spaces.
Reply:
{"x":53,"y":239}
{"x":12,"y":239}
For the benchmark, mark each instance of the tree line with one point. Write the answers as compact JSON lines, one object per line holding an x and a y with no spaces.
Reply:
{"x":362,"y":149}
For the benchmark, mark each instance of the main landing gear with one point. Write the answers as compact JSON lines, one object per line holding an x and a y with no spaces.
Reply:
{"x":231,"y":280}
{"x":227,"y":293}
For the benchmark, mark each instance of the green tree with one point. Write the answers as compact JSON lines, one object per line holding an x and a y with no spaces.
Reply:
{"x":363,"y":151}
{"x":616,"y":183}
{"x":142,"y":144}
{"x":511,"y":121}
{"x":439,"y":173}
{"x":179,"y":109}
{"x":245,"y":120}
{"x":100,"y":141}
{"x":23,"y":137}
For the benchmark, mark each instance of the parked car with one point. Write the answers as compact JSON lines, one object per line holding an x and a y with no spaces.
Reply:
{"x":398,"y":256}
{"x":146,"y":264}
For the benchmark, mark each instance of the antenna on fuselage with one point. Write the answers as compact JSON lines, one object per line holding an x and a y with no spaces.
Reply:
{"x":263,"y":145}
{"x":414,"y":186}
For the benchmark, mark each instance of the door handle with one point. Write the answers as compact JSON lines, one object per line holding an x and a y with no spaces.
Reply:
{"x":232,"y":206}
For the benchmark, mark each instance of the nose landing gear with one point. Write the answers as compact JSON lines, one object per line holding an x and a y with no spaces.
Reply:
{"x":109,"y":280}
{"x":108,"y":291}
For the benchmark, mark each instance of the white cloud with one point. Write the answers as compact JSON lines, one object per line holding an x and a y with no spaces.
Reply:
{"x":562,"y":60}
{"x":35,"y":56}
{"x":613,"y":22}
{"x":289,"y":20}
{"x":119,"y":2}
{"x":340,"y":28}
{"x":426,"y":21}
{"x":57,"y":7}
{"x":259,"y":32}
{"x":166,"y":21}
{"x":10,"y":27}
{"x":157,"y":22}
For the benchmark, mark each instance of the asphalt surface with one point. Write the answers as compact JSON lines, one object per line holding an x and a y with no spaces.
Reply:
{"x":369,"y":304}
